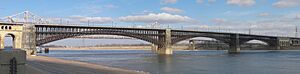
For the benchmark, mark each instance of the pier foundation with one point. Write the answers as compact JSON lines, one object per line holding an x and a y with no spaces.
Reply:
{"x":166,"y":47}
{"x":234,"y":45}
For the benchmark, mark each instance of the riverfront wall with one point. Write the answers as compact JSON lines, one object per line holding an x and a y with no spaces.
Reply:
{"x":12,"y":61}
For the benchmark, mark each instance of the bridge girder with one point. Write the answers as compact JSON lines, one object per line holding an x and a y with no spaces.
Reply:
{"x":46,"y":34}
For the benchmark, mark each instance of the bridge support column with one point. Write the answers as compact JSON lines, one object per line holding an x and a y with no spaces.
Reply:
{"x":192,"y":45}
{"x":166,"y":46}
{"x":154,"y":48}
{"x":234,"y":45}
{"x":280,"y":43}
{"x":29,"y":39}
{"x":275,"y":45}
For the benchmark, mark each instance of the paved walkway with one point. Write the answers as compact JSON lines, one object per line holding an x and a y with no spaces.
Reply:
{"x":49,"y":65}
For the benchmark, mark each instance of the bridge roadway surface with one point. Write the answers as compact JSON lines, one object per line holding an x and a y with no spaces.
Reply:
{"x":47,"y":65}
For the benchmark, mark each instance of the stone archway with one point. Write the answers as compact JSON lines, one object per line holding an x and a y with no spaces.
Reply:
{"x":16,"y":39}
{"x":9,"y":41}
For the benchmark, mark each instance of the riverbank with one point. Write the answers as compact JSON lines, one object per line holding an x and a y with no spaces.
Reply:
{"x":47,"y":65}
{"x":32,"y":70}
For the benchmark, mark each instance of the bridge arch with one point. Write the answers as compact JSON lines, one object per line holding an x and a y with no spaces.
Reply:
{"x":177,"y":40}
{"x":268,"y":42}
{"x":256,"y":41}
{"x":60,"y":37}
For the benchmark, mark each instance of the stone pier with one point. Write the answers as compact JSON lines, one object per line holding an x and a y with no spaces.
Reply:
{"x":166,"y":46}
{"x":23,"y":36}
{"x":192,"y":45}
{"x":234,"y":44}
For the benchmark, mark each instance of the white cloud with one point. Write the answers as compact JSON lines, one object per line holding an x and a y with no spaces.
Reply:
{"x":143,"y":12}
{"x":298,"y":16}
{"x":202,"y":1}
{"x":264,"y":14}
{"x":283,"y":25}
{"x":98,"y":20}
{"x":93,"y":9}
{"x":218,"y":20}
{"x":199,"y":1}
{"x":286,"y":3}
{"x":169,"y":1}
{"x":172,"y":10}
{"x":211,"y":1}
{"x":241,"y":2}
{"x":110,"y":6}
{"x":273,"y":27}
{"x":163,"y":18}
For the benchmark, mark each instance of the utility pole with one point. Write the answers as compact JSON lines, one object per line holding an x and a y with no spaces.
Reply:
{"x":296,"y":31}
{"x":88,"y":22}
{"x":250,"y":29}
{"x":60,"y":20}
{"x":181,"y":27}
{"x":112,"y":23}
{"x":219,"y":28}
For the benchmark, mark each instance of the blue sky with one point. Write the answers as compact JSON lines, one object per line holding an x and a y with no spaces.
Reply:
{"x":236,"y":15}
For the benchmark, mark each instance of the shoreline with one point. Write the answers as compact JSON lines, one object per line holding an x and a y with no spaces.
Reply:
{"x":49,"y":65}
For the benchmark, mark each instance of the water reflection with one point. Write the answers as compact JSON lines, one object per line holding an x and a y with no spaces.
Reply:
{"x":166,"y":62}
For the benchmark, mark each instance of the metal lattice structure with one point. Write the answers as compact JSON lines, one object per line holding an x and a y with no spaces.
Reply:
{"x":25,"y":17}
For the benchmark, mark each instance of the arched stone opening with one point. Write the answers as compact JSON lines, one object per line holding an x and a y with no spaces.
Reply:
{"x":9,"y":41}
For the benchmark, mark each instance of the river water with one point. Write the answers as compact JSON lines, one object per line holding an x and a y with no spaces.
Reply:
{"x":190,"y":62}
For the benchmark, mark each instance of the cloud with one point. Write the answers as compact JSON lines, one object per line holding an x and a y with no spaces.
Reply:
{"x":218,"y":20}
{"x":264,"y":14}
{"x":169,"y":1}
{"x":199,"y":1}
{"x":211,"y":1}
{"x":241,"y":2}
{"x":163,"y":18}
{"x":98,"y":20}
{"x":202,"y":1}
{"x":298,"y":16}
{"x":110,"y":6}
{"x":95,"y":9}
{"x":171,"y":10}
{"x":143,"y":12}
{"x":286,"y":3}
{"x":263,"y":27}
{"x":281,"y":26}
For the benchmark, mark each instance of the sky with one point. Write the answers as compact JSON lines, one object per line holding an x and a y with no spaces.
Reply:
{"x":266,"y":17}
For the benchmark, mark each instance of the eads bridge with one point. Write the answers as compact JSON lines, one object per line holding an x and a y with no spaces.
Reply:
{"x":28,"y":36}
